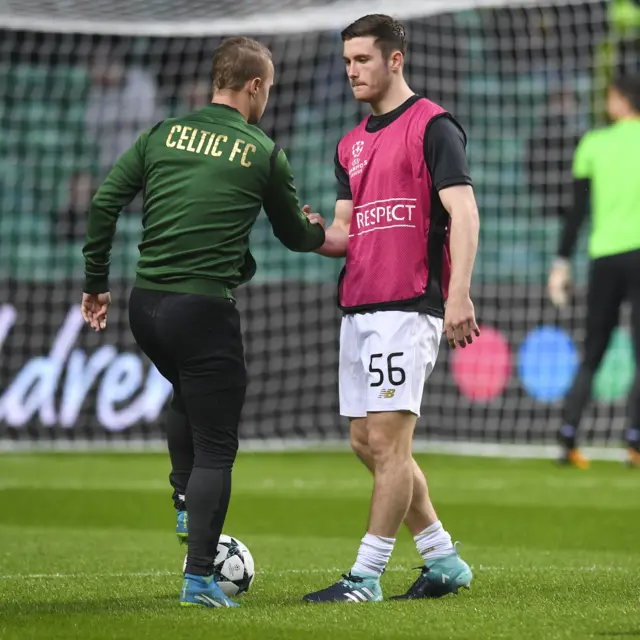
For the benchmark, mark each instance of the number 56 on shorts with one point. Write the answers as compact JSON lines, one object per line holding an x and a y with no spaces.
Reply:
{"x":385,"y":359}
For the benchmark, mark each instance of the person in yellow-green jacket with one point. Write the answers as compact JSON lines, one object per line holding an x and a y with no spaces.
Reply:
{"x":205,"y":177}
{"x":606,"y":170}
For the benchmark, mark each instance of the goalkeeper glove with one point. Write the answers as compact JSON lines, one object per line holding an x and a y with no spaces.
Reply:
{"x":559,"y":282}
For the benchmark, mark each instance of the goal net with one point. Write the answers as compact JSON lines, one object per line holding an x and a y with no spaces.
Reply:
{"x":79,"y":80}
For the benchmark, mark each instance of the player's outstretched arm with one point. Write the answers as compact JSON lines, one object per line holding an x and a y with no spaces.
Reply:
{"x":290,"y":224}
{"x":122,"y":184}
{"x":337,"y":235}
{"x":460,"y":321}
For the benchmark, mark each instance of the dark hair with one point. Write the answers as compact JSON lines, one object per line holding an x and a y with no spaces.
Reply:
{"x":389,"y":34}
{"x":238,"y":60}
{"x":629,"y":87}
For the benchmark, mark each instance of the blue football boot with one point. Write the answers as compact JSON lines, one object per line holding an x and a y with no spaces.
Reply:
{"x":204,"y":592}
{"x":182,"y":527}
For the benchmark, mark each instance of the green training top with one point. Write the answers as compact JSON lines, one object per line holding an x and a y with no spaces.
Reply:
{"x":205,"y":177}
{"x":610,"y":159}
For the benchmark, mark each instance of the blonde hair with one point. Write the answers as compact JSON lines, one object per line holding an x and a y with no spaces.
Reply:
{"x":238,"y":60}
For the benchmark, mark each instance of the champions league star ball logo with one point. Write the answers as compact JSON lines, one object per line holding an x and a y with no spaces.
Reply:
{"x":356,"y":150}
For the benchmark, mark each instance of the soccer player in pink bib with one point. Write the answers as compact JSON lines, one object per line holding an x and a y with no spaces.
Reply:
{"x":407,"y":221}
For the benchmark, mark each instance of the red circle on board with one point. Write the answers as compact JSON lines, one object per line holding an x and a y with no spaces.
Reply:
{"x":482,"y":370}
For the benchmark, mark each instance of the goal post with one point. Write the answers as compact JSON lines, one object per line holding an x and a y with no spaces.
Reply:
{"x":80,"y":80}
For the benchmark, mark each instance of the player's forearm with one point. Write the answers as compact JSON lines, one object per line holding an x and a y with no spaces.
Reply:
{"x":119,"y":188}
{"x":101,"y":228}
{"x":335,"y":243}
{"x":465,"y":227}
{"x":303,"y":239}
{"x":574,"y":218}
{"x":291,"y":226}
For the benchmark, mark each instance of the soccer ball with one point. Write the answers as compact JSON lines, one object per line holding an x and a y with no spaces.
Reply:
{"x":233,"y":567}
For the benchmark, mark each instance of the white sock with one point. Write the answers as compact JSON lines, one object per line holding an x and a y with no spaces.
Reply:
{"x":373,"y":555}
{"x":434,"y":542}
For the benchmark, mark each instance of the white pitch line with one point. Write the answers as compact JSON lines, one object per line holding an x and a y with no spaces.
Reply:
{"x":72,"y":576}
{"x":159,"y":574}
{"x":293,"y":484}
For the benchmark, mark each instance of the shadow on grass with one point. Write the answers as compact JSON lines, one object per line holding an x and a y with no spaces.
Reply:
{"x":18,"y":611}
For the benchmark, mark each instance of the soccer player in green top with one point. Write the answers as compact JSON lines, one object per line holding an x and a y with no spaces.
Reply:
{"x":606,"y":169}
{"x":205,"y":177}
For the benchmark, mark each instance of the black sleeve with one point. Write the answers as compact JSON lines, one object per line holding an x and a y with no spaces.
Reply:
{"x":575,"y":217}
{"x":344,"y":188}
{"x":445,"y":153}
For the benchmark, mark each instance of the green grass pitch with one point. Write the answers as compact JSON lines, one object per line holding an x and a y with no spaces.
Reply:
{"x":87,"y":550}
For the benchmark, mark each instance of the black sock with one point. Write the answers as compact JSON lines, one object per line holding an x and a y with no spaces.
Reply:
{"x":180,"y":443}
{"x":208,"y":494}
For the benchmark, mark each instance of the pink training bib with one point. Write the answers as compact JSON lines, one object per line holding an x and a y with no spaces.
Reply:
{"x":388,"y":249}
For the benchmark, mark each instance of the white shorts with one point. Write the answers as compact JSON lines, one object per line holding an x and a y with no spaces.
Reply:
{"x":385,"y":360}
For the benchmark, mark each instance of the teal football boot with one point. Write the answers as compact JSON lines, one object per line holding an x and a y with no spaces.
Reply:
{"x":201,"y":591}
{"x":440,"y":577}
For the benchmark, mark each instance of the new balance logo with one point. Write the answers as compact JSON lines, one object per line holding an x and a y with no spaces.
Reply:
{"x":445,"y":577}
{"x":387,"y":393}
